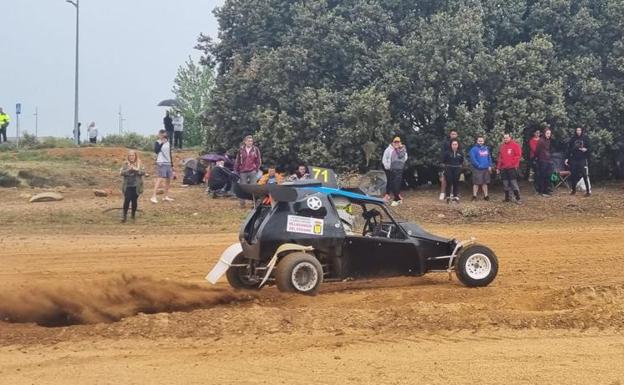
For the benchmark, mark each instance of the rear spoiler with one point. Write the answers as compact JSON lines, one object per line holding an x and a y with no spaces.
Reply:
{"x":286,"y":192}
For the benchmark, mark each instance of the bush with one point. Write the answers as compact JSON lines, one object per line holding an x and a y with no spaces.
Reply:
{"x":6,"y":147}
{"x":130,"y":140}
{"x":55,"y":143}
{"x":7,"y":180}
{"x":28,"y":141}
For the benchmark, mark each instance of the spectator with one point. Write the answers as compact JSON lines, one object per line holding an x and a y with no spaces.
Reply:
{"x":271,"y":177}
{"x":164,"y":166}
{"x":220,"y":179}
{"x":168,"y":123}
{"x":300,"y":174}
{"x":92,"y":132}
{"x":481,"y":162}
{"x":178,"y":130}
{"x":4,"y":123}
{"x":509,"y":155}
{"x":394,"y":158}
{"x":446,"y":145}
{"x":247,"y":163}
{"x":132,"y":172}
{"x":532,"y":160}
{"x":543,"y":154}
{"x":577,"y":160}
{"x":453,"y":162}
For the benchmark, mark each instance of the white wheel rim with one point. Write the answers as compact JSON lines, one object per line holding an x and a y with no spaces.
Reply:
{"x":478,"y":266}
{"x":304,"y":277}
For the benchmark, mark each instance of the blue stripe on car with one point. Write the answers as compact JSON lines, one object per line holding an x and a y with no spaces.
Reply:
{"x":346,"y":194}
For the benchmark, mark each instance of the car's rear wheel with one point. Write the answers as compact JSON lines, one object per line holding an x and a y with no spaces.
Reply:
{"x":476,"y":266}
{"x":300,"y":273}
{"x":238,"y":276}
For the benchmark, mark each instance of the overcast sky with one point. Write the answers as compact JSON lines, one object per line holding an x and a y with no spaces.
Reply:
{"x":129,"y":53}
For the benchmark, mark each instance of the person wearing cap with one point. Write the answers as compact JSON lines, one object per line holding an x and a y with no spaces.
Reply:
{"x":394,"y":158}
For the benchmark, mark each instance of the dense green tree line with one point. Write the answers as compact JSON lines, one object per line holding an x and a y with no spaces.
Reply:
{"x":316,"y":81}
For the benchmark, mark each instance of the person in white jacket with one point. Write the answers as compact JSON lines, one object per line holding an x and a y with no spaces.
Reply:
{"x":394,"y":158}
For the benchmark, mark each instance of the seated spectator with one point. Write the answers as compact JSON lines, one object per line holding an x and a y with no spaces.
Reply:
{"x":220,"y":179}
{"x":271,"y":177}
{"x":300,"y":174}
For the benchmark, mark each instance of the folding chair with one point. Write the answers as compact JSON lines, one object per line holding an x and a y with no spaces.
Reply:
{"x":561,"y":170}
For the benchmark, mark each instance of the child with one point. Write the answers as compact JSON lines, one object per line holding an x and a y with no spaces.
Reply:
{"x":132,"y":172}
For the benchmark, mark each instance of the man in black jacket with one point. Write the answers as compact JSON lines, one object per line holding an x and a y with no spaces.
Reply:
{"x":577,"y":159}
{"x":168,"y":123}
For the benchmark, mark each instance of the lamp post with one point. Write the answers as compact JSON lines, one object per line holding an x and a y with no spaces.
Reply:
{"x":77,"y":6}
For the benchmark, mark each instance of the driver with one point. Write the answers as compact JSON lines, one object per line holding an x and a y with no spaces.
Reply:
{"x":345,"y":213}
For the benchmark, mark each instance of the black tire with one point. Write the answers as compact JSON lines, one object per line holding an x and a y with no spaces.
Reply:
{"x":236,"y":275}
{"x":476,"y":266}
{"x":300,"y":273}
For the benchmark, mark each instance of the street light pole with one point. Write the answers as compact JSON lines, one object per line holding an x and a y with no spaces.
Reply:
{"x":76,"y":4}
{"x":36,"y":120}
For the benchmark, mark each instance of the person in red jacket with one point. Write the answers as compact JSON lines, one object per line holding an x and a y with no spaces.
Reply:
{"x":509,"y":156}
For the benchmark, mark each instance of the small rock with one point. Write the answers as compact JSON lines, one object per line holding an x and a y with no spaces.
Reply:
{"x":441,"y":216}
{"x":46,"y":197}
{"x":195,"y":214}
{"x":101,"y":193}
{"x":25,"y":196}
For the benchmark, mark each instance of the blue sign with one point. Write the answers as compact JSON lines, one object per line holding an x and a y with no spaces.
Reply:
{"x":18,"y":108}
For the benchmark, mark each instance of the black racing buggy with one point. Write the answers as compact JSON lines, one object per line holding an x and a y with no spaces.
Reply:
{"x":302,"y":234}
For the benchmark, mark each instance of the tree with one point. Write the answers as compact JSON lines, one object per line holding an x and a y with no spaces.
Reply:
{"x":193,"y":86}
{"x":315,"y":81}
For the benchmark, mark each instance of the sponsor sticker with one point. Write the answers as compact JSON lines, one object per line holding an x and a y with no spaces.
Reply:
{"x":304,"y":225}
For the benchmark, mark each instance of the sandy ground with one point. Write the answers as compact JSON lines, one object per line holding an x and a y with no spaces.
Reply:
{"x":140,"y":311}
{"x":554,"y":315}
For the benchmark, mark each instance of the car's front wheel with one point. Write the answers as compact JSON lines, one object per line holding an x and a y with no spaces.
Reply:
{"x":300,"y":273}
{"x":476,"y":266}
{"x":238,"y":274}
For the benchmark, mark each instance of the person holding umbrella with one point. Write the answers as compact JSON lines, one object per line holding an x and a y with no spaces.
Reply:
{"x":168,"y":123}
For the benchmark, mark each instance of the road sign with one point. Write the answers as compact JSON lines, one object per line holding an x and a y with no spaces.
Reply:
{"x":18,"y":108}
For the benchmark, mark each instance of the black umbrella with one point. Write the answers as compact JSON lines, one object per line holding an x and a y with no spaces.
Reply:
{"x":169,"y":103}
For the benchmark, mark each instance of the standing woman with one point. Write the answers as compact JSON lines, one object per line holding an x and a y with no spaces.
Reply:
{"x":132,"y":172}
{"x":453,"y":163}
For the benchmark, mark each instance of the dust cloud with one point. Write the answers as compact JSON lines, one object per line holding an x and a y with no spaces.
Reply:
{"x":106,"y":301}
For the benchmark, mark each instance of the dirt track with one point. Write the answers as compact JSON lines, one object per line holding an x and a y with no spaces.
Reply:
{"x":551,"y":317}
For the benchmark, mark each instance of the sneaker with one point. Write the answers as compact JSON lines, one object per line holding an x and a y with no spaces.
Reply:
{"x":442,"y":196}
{"x":474,"y":198}
{"x":395,"y":203}
{"x":169,"y":199}
{"x":154,"y":200}
{"x":455,"y":198}
{"x":547,"y":195}
{"x":486,"y":198}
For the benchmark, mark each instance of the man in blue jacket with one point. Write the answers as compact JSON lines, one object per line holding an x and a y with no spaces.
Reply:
{"x":481,"y":165}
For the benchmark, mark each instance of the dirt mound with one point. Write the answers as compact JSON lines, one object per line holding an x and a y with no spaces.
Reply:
{"x":107,"y":301}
